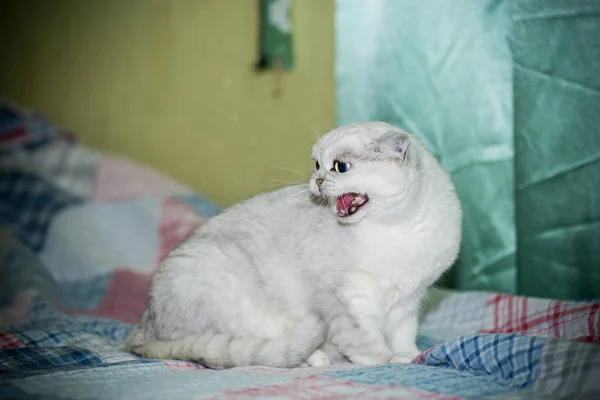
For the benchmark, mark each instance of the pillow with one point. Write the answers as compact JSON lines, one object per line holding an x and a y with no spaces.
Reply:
{"x":83,"y":229}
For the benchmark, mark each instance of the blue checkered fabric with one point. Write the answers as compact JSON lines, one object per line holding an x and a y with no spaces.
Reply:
{"x":512,"y":359}
{"x":53,"y":326}
{"x":34,"y":358}
{"x":28,"y":204}
{"x":23,"y":130}
{"x":44,"y":337}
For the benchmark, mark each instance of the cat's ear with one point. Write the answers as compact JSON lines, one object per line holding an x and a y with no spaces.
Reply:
{"x":393,"y":145}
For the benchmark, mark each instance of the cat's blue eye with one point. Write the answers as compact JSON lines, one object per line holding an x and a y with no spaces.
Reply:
{"x":340,"y":166}
{"x":317,"y":166}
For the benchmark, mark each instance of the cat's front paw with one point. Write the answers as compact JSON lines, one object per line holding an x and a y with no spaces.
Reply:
{"x":403,"y":358}
{"x":318,"y":359}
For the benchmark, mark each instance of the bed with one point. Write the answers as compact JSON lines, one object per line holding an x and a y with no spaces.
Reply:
{"x":82,"y":232}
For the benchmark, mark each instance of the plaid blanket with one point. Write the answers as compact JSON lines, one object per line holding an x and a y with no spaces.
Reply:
{"x":82,"y":232}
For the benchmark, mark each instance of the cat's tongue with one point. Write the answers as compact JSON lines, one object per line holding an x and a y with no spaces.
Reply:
{"x":344,"y":202}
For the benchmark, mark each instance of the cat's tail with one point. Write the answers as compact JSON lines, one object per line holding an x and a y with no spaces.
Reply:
{"x":224,"y":350}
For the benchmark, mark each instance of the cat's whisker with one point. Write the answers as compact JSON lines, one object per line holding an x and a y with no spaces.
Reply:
{"x":290,"y":181}
{"x":345,"y":208}
{"x":290,"y":170}
{"x":299,"y":193}
{"x":319,"y":134}
{"x":316,"y":132}
{"x":280,"y":185}
{"x":323,"y":201}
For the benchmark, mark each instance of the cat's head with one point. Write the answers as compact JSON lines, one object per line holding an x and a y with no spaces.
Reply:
{"x":364,"y":170}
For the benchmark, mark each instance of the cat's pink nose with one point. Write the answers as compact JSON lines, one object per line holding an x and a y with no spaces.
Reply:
{"x":319,"y":182}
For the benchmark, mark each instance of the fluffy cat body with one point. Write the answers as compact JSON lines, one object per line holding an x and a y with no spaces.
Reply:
{"x":295,"y":276}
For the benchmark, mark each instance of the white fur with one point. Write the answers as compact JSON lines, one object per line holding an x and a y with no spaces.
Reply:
{"x":266,"y":266}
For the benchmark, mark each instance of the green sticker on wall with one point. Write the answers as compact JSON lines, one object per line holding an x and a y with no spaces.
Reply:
{"x":275,"y":47}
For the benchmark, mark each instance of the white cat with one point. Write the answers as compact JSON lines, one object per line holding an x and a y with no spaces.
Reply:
{"x":302,"y":275}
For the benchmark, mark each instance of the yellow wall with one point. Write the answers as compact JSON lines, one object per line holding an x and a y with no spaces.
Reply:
{"x":169,"y":83}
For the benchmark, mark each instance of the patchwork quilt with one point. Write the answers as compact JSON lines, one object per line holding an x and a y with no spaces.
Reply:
{"x":81,"y":233}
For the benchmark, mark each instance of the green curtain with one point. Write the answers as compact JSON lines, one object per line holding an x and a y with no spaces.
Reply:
{"x":507,"y":95}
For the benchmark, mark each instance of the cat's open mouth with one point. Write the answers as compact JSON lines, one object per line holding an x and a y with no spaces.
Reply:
{"x":349,"y":203}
